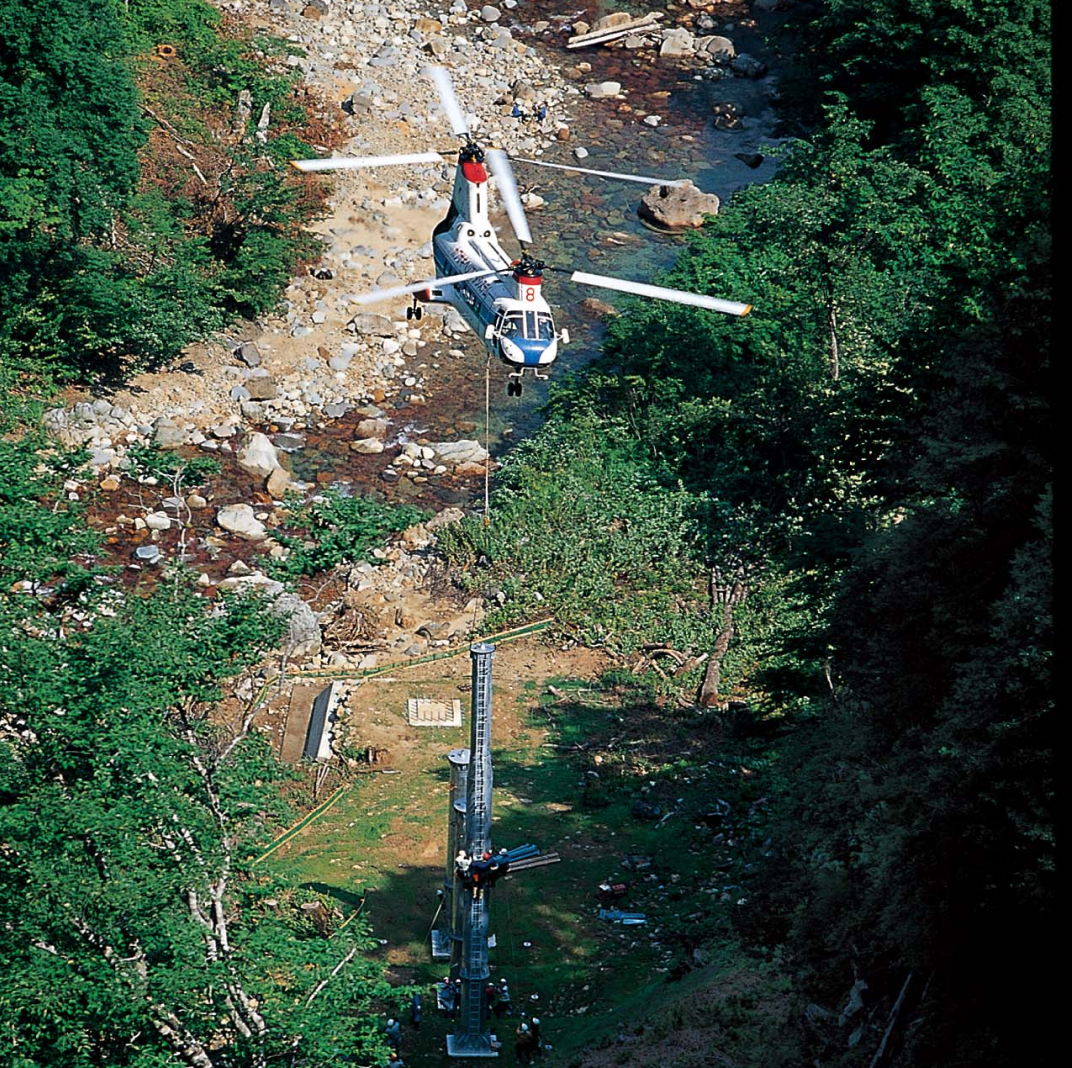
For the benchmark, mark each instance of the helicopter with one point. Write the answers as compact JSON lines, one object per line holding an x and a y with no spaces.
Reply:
{"x":500,"y":299}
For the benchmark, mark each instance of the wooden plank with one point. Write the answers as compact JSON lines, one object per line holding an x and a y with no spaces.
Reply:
{"x":643,"y":24}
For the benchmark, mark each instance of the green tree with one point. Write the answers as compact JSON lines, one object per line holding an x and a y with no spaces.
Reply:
{"x":131,"y":801}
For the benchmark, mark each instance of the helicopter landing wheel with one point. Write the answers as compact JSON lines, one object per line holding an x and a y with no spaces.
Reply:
{"x":418,"y":312}
{"x":513,"y":388}
{"x":409,"y":312}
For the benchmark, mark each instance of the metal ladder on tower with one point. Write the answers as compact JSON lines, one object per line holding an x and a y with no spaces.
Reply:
{"x":477,"y":965}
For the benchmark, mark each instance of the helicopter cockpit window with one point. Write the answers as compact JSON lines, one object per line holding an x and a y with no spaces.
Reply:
{"x":511,"y":326}
{"x":545,"y":327}
{"x":530,"y":324}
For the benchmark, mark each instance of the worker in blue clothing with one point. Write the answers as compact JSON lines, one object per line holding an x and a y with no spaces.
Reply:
{"x":393,"y":1031}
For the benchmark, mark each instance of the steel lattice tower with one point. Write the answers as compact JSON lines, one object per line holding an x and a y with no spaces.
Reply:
{"x":469,"y":911}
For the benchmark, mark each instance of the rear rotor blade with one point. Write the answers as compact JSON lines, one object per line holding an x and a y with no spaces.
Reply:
{"x":678,"y":296}
{"x":343,"y":163}
{"x":500,"y":167}
{"x":602,"y":174}
{"x":416,"y":287}
{"x":451,"y":107}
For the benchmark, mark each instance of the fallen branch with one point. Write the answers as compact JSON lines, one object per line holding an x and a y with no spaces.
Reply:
{"x":893,"y":1020}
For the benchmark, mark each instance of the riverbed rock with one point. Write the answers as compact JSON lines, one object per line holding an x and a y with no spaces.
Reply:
{"x":371,"y":324}
{"x":277,"y":483}
{"x":459,"y":452}
{"x":366,"y":446}
{"x":303,"y":631}
{"x":677,"y":44}
{"x":238,"y":519}
{"x":167,"y":434}
{"x":258,"y":456}
{"x":158,"y":521}
{"x":262,"y":387}
{"x":249,"y":354}
{"x":748,"y":66}
{"x":677,"y":207}
{"x":603,"y":90}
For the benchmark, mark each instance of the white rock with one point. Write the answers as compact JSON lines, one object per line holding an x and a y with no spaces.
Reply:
{"x":366,"y":446}
{"x":459,"y":452}
{"x":258,"y":456}
{"x":601,"y":90}
{"x":239,"y":519}
{"x":158,"y":521}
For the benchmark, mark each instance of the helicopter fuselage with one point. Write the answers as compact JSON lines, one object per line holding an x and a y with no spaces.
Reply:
{"x":506,"y":310}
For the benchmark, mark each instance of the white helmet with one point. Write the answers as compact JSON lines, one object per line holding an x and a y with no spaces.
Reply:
{"x":535,"y":1021}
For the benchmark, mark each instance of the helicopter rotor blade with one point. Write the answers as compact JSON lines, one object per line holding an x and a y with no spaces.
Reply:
{"x":602,"y":174}
{"x":416,"y":287}
{"x":342,"y":163}
{"x":449,"y":100}
{"x":500,"y":167}
{"x":678,"y":296}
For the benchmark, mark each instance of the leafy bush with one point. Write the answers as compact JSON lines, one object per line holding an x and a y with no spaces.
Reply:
{"x":336,"y":529}
{"x":168,"y":465}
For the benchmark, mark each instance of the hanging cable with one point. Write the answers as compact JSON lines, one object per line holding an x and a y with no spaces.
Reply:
{"x":487,"y":441}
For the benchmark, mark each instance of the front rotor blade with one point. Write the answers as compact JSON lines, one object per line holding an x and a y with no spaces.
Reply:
{"x":451,"y":107}
{"x":416,"y":287}
{"x":602,"y":174}
{"x":500,"y":167}
{"x":343,"y":163}
{"x":678,"y":296}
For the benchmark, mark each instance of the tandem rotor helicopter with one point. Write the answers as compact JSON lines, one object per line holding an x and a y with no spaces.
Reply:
{"x":500,"y":299}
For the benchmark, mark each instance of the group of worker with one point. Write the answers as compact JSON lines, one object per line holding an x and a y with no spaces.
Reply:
{"x":482,"y":871}
{"x":527,"y":1041}
{"x":538,"y":113}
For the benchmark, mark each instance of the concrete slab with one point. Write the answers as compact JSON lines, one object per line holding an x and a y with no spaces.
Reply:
{"x":310,"y":719}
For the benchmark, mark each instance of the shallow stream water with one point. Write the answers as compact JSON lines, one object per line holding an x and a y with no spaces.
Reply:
{"x":587,"y":223}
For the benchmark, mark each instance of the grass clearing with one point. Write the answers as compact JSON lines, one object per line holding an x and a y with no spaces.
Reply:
{"x":570,"y":757}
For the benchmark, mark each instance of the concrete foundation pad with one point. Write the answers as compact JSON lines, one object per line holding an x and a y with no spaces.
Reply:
{"x":464,"y":1046}
{"x":422,"y":712}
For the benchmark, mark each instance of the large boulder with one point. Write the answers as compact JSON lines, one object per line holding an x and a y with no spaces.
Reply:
{"x":677,"y":44}
{"x":258,"y":456}
{"x":459,"y":452}
{"x":680,"y":207}
{"x":167,"y":434}
{"x":720,"y":49}
{"x":612,"y":21}
{"x":303,"y":630}
{"x":603,"y":90}
{"x":238,"y":519}
{"x":371,"y":324}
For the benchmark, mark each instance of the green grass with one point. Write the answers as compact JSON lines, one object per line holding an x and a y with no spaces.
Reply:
{"x":589,"y":974}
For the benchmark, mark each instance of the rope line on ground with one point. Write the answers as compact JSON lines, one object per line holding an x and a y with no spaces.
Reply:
{"x":301,"y":824}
